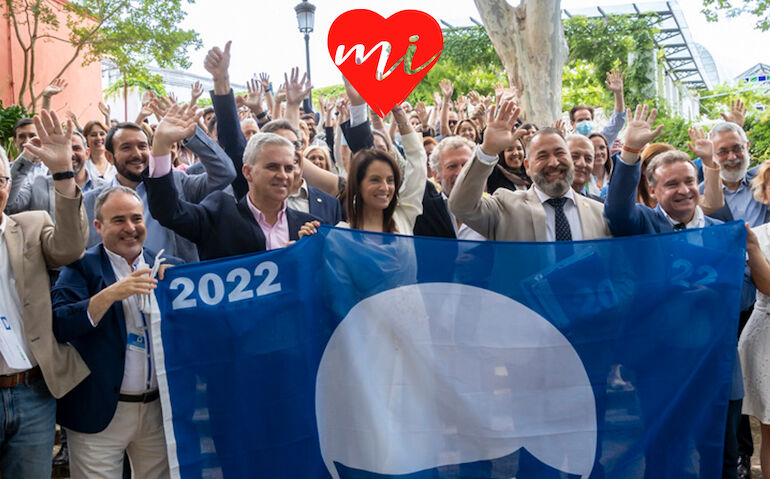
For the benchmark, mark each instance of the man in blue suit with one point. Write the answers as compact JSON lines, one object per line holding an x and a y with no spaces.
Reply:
{"x":219,"y":225}
{"x":673,"y":180}
{"x":97,"y":309}
{"x":303,"y":197}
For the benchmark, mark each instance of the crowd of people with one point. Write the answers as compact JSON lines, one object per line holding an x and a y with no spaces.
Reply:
{"x":91,"y":213}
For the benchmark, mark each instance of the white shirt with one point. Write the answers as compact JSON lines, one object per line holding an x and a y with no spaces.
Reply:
{"x":139,"y":370}
{"x":697,"y":221}
{"x":300,"y":200}
{"x":10,"y":305}
{"x":93,"y":171}
{"x":464,"y":232}
{"x":570,"y":211}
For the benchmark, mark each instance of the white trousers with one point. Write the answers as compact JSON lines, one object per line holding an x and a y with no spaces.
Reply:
{"x":136,"y":428}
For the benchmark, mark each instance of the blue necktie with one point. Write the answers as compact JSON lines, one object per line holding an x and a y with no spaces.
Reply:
{"x":563,"y":231}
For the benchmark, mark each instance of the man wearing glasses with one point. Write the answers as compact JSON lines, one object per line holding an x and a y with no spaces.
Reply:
{"x":731,"y":150}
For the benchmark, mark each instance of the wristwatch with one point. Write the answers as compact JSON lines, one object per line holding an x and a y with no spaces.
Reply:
{"x":63,"y":175}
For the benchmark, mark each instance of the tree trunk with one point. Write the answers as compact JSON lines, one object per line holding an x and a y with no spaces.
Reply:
{"x":529,"y":40}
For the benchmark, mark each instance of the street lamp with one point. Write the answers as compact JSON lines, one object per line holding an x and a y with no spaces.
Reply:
{"x":305,"y":19}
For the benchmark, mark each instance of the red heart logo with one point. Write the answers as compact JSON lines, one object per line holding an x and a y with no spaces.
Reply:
{"x":371,"y":52}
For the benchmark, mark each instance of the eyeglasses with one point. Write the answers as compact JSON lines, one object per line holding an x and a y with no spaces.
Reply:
{"x":452,"y":122}
{"x":737,"y":150}
{"x":4,"y":181}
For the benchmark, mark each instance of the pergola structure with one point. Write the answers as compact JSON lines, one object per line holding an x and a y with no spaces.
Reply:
{"x":687,"y":62}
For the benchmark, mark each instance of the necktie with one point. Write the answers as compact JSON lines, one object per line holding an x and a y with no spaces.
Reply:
{"x":680,"y":226}
{"x":563,"y":231}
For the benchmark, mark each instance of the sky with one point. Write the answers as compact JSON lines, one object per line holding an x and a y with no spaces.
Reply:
{"x":266,"y":37}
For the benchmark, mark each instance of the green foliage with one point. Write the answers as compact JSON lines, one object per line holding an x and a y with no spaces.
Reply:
{"x":132,"y":33}
{"x":718,"y":100}
{"x":758,"y":130}
{"x":579,"y":85}
{"x":675,"y":129}
{"x":8,"y":117}
{"x":608,"y":43}
{"x":468,"y":59}
{"x":758,"y":8}
{"x":328,"y":91}
{"x":142,"y":81}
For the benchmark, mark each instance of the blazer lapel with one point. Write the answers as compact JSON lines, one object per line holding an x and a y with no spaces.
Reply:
{"x":538,"y":214}
{"x":294,"y":222}
{"x":15,"y":243}
{"x":586,"y":220}
{"x":107,"y":279}
{"x":254,"y":230}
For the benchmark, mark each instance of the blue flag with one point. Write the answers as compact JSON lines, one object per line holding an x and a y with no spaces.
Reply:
{"x":365,"y":355}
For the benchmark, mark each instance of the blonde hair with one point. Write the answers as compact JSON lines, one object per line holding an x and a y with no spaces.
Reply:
{"x":324,"y":151}
{"x":758,"y":182}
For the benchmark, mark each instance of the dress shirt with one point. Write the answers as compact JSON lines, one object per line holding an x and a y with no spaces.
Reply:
{"x":612,"y":129}
{"x":277,"y":235}
{"x":570,"y":211}
{"x":93,"y":171}
{"x":10,"y":306}
{"x":464,"y":232}
{"x":697,"y":221}
{"x":300,"y":200}
{"x":139,"y":370}
{"x":742,"y":204}
{"x":570,"y":207}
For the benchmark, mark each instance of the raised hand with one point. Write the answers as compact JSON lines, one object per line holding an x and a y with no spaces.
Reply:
{"x":462,"y":103}
{"x":343,"y":106}
{"x":437,"y":99}
{"x":196,"y":91}
{"x":138,"y":282}
{"x":55,"y":87}
{"x":473,"y":97}
{"x":254,"y":100}
{"x":280,"y":95}
{"x":446,"y":89}
{"x":737,"y":113}
{"x":701,"y":146}
{"x":487,"y":100}
{"x":499,"y":134}
{"x":105,"y":110}
{"x":499,"y":90}
{"x":422,"y":112}
{"x":240,"y":101}
{"x":296,"y":90}
{"x":561,"y":125}
{"x":614,"y":81}
{"x":53,"y":145}
{"x":177,"y":124}
{"x":353,"y":96}
{"x":264,"y":79}
{"x":639,"y":131}
{"x":217,"y":61}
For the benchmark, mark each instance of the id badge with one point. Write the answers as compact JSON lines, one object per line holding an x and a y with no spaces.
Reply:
{"x":136,"y":343}
{"x":10,"y":347}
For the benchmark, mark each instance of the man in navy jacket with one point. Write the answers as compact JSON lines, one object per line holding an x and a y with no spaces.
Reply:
{"x":97,"y":309}
{"x":219,"y":225}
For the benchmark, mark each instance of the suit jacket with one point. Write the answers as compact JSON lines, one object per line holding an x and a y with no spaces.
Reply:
{"x":218,"y":225}
{"x":219,"y":174}
{"x":435,"y":219}
{"x":231,"y":137}
{"x":627,"y":217}
{"x":34,"y":245}
{"x":89,"y":407}
{"x":37,"y":194}
{"x":324,"y":206}
{"x":513,"y":215}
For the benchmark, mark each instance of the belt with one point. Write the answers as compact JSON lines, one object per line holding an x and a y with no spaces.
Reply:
{"x":144,"y":398}
{"x":12,"y":380}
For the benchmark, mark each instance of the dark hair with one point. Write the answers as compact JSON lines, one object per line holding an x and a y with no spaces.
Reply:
{"x":207,"y":110}
{"x":211,"y":123}
{"x":575,"y":108}
{"x":358,"y":168}
{"x":475,"y":128}
{"x":126,"y":125}
{"x":501,"y":155}
{"x":548,"y":130}
{"x":608,"y":161}
{"x":22,"y":122}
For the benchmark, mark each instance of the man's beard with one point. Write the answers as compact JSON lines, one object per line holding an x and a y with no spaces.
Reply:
{"x":77,"y":165}
{"x":557,"y":188}
{"x":126,"y":173}
{"x":735,"y":175}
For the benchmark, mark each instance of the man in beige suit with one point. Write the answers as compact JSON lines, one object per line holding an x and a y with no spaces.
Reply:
{"x":548,"y":211}
{"x":34,"y":367}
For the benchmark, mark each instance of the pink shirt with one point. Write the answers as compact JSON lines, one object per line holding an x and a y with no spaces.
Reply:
{"x":277,"y":235}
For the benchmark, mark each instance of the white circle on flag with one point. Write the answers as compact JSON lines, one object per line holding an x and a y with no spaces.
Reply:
{"x":438,"y":374}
